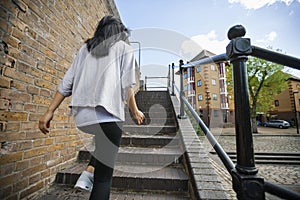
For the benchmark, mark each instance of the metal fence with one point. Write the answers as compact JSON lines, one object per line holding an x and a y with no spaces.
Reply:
{"x":245,"y":178}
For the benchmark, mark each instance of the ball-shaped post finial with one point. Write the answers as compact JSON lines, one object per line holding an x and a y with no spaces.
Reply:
{"x":236,"y":31}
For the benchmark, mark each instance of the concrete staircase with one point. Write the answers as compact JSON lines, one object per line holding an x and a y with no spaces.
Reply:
{"x":150,"y":160}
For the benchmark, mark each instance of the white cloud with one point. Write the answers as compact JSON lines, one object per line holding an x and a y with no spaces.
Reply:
{"x":210,"y":42}
{"x":270,"y":37}
{"x":256,"y":4}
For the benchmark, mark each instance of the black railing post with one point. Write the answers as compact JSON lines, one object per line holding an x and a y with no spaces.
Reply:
{"x":173,"y":81}
{"x":246,"y":183}
{"x":182,"y":113}
{"x":169,"y":76}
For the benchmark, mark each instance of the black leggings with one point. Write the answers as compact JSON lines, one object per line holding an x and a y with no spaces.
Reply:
{"x":107,"y":142}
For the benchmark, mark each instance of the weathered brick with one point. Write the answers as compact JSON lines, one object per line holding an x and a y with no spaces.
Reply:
{"x":32,"y":170}
{"x":10,"y":157}
{"x":37,"y":186}
{"x":39,"y":142}
{"x":27,"y":69}
{"x":36,"y":161}
{"x":12,"y":73}
{"x":27,"y":144}
{"x":5,"y":190}
{"x":29,"y":125}
{"x":22,"y":184}
{"x":32,"y":89}
{"x":56,"y":147}
{"x":34,"y":134}
{"x":5,"y":82}
{"x":17,"y":96}
{"x":21,"y":165}
{"x":7,"y":169}
{"x":9,"y":179}
{"x":30,"y":107}
{"x":35,"y":178}
{"x":41,"y":100}
{"x":42,"y":40}
{"x":4,"y":104}
{"x":34,"y":152}
{"x":13,"y":116}
{"x":11,"y":136}
{"x":45,"y":93}
{"x":13,"y":126}
{"x":18,"y":86}
{"x":44,"y":84}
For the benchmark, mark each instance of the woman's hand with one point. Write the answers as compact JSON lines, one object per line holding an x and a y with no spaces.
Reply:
{"x":139,"y":117}
{"x":44,"y":122}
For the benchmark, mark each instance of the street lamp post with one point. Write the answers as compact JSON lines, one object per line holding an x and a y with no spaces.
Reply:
{"x":295,"y":111}
{"x":207,"y":106}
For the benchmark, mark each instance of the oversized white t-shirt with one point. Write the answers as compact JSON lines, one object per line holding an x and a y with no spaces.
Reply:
{"x":101,"y":82}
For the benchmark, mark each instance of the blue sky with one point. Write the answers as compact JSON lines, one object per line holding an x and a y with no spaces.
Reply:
{"x":272,"y":23}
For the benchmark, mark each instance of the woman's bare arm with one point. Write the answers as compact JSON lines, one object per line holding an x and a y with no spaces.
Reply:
{"x":44,"y":122}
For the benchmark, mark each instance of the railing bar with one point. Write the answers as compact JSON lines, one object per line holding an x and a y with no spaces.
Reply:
{"x":218,"y":148}
{"x":276,"y":57}
{"x":176,"y":88}
{"x":156,"y":87}
{"x":153,"y":77}
{"x":213,"y":59}
{"x":280,"y":191}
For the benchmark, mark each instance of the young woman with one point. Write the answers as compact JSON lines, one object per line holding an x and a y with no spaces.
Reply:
{"x":100,"y":81}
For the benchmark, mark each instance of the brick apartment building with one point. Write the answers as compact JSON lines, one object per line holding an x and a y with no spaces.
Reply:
{"x":287,"y":103}
{"x":39,"y":40}
{"x":206,"y":90}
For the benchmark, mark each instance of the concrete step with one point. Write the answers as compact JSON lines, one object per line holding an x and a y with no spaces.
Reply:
{"x":153,"y":120}
{"x":59,"y":192}
{"x":154,"y":178}
{"x":135,"y":177}
{"x":149,"y":156}
{"x":138,"y":155}
{"x":160,"y":116}
{"x":150,"y":129}
{"x":139,"y":140}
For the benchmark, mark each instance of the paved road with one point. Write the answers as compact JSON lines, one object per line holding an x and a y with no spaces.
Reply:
{"x":267,"y":140}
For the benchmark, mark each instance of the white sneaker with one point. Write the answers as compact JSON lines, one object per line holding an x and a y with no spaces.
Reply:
{"x":85,"y":181}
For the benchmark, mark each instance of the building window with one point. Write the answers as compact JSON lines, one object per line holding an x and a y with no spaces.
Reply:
{"x":214,"y":96}
{"x":276,"y":102}
{"x":199,"y":83}
{"x":216,"y":113}
{"x":198,"y":69}
{"x":213,"y":68}
{"x":200,"y":97}
{"x":213,"y":81}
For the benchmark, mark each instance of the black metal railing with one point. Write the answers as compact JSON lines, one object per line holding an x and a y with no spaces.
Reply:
{"x":245,"y":179}
{"x":246,"y":182}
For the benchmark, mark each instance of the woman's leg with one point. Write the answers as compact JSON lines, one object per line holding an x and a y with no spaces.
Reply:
{"x":107,"y":139}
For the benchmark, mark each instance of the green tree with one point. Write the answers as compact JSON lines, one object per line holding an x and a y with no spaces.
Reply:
{"x":265,"y":79}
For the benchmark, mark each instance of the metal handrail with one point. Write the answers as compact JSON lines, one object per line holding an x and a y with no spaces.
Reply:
{"x":269,"y":187}
{"x":244,"y":173}
{"x":211,"y":138}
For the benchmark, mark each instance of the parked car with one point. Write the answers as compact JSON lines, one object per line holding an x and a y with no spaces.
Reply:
{"x":277,"y":123}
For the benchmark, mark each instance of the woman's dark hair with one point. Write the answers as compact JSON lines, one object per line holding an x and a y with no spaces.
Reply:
{"x":109,"y":31}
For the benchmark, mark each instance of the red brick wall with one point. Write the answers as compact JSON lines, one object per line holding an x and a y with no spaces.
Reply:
{"x":39,"y":40}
